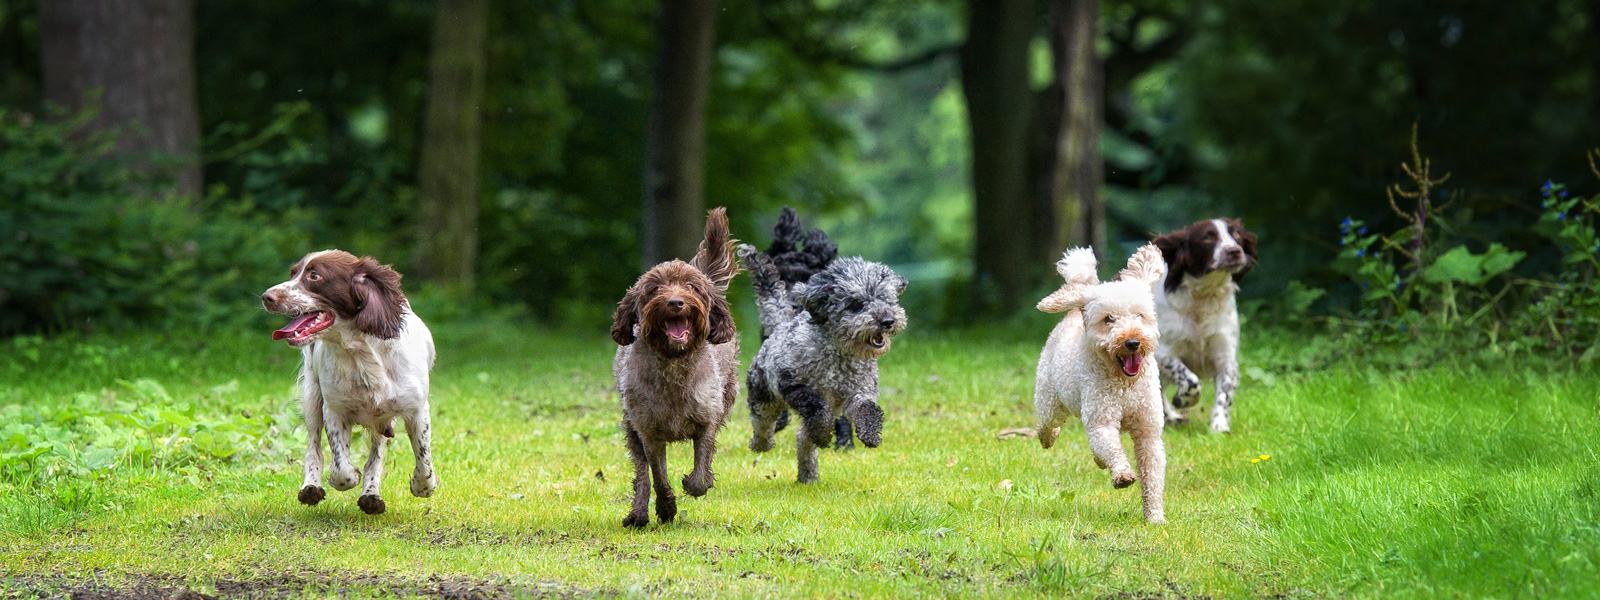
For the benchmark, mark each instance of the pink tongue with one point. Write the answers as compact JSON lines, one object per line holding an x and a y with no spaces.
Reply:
{"x":1131,"y":364}
{"x":678,"y":329}
{"x":293,"y":326}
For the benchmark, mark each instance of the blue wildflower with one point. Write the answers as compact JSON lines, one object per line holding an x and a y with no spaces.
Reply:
{"x":1363,"y":285}
{"x":1346,"y":222}
{"x":1566,"y":248}
{"x":1361,"y":253}
{"x":1362,"y":231}
{"x":1548,"y":184}
{"x":1563,"y":193}
{"x":1561,"y":217}
{"x":1341,"y":241}
{"x":1402,"y":327}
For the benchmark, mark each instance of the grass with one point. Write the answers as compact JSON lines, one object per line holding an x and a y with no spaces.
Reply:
{"x":1441,"y":481}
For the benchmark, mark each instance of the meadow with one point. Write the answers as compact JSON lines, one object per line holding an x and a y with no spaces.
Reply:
{"x":143,"y":465}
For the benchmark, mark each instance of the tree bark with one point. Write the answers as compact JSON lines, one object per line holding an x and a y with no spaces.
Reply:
{"x":675,"y":145}
{"x":1079,"y":174}
{"x":994,"y":76}
{"x":447,"y":178}
{"x":138,"y":55}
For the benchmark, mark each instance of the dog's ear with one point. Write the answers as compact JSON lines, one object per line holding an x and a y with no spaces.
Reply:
{"x":1247,"y":240}
{"x":813,"y":297}
{"x":626,"y":317}
{"x":899,"y":284}
{"x":720,"y":321}
{"x":376,"y":287}
{"x":1146,"y":266}
{"x":1175,"y":252}
{"x":1069,"y":297}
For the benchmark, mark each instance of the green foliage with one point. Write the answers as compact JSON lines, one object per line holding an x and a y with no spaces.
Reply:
{"x":88,"y":242}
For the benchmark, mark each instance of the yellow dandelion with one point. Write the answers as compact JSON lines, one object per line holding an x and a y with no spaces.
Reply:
{"x":1264,"y":457}
{"x":1255,"y":460}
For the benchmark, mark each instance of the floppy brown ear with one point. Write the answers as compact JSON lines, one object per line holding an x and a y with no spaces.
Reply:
{"x":626,"y":318}
{"x":1069,"y":297}
{"x":377,"y":287}
{"x":720,"y":321}
{"x":1175,"y":252}
{"x":1247,"y":240}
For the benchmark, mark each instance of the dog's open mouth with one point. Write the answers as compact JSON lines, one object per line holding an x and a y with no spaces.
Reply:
{"x":1131,"y":364}
{"x":677,"y":330}
{"x":304,"y":327}
{"x":877,"y":342}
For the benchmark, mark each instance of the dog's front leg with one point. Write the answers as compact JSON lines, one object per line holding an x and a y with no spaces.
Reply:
{"x":766,"y":409}
{"x":343,"y":476}
{"x":815,"y":418}
{"x":666,"y":499}
{"x":805,"y":452}
{"x":639,"y":516}
{"x":1152,"y":454}
{"x":311,"y":407}
{"x":698,"y":481}
{"x":1105,"y":441}
{"x":1188,"y":392}
{"x":419,"y":427}
{"x":1227,"y":382}
{"x":867,"y":417}
{"x":371,"y":500}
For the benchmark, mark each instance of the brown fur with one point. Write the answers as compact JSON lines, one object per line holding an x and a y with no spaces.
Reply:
{"x":1189,"y":250}
{"x":359,"y":289}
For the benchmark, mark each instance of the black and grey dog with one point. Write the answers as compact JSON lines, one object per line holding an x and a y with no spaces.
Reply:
{"x":820,"y":356}
{"x":799,"y":253}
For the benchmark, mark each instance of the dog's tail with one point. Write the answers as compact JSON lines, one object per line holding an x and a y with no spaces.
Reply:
{"x":797,"y":253}
{"x":772,"y":297}
{"x":715,"y":257}
{"x":1078,"y":267}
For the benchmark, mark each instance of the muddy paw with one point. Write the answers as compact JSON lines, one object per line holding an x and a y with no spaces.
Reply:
{"x":666,"y":510}
{"x":636,"y":519}
{"x":760,"y":444}
{"x":1122,"y":480}
{"x":371,"y":504}
{"x":696,"y":486}
{"x":312,"y":494}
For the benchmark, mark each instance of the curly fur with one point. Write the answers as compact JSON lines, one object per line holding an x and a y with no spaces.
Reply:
{"x":681,"y":382}
{"x":1093,"y":368}
{"x":1199,"y":319}
{"x":821,"y":359}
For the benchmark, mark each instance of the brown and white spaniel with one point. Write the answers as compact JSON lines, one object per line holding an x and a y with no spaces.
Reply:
{"x":366,"y":362}
{"x":677,"y":367}
{"x":1198,"y":316}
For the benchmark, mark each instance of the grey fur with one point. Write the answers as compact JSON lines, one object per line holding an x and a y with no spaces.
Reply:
{"x":821,"y":359}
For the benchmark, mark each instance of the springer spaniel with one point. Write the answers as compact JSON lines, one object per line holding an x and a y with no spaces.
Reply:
{"x":367,"y":358}
{"x":1199,"y":320}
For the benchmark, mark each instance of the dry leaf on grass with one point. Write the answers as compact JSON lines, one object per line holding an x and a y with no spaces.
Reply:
{"x":1016,"y":432}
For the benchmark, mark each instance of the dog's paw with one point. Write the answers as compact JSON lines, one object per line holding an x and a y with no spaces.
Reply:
{"x":1220,"y":426}
{"x":1180,"y":400}
{"x":371,"y":504}
{"x":424,"y":486}
{"x":845,"y":443}
{"x":666,"y":509}
{"x":1122,"y":480}
{"x":1047,"y":436}
{"x":760,"y":443}
{"x":636,"y":519}
{"x":697,"y":486}
{"x":344,"y":481}
{"x":312,"y":494}
{"x":1177,"y":420}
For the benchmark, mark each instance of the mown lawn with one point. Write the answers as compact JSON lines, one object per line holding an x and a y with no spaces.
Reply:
{"x":1431,"y":482}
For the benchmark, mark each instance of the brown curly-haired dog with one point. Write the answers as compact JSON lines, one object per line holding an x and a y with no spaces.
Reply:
{"x":681,"y":383}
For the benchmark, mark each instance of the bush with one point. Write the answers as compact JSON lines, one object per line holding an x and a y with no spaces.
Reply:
{"x":89,"y":242}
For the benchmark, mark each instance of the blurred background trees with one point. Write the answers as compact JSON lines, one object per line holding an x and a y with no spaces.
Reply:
{"x":537,"y":153}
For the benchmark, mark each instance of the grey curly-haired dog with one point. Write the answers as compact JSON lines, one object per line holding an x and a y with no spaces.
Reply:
{"x":821,"y":357}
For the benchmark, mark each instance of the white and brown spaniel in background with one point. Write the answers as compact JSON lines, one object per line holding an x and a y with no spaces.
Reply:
{"x":1198,"y":317}
{"x":367,"y":358}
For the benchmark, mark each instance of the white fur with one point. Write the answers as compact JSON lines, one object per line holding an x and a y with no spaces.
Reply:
{"x":1200,"y":337}
{"x":1079,"y":374}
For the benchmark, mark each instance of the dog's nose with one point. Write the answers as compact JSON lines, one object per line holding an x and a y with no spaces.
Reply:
{"x":269,"y":298}
{"x":886,"y":322}
{"x":1234,"y":252}
{"x":1131,"y":345}
{"x":675,"y":303}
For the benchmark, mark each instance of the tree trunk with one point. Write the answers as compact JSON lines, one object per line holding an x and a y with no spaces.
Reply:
{"x":1079,"y":174}
{"x":994,"y":76}
{"x":138,"y":55}
{"x":675,"y":145}
{"x":447,"y":178}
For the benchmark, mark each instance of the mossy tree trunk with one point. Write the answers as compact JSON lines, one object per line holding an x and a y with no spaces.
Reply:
{"x":675,"y":143}
{"x":447,"y":177}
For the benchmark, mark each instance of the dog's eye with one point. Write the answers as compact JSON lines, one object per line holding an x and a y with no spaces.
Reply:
{"x":314,"y":276}
{"x":1110,"y":319}
{"x":854,"y":305}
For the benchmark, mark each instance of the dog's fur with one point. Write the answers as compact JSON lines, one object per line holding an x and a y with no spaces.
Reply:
{"x":1093,"y":368}
{"x":1199,"y":320}
{"x":798,"y":254}
{"x":681,"y":381}
{"x":366,"y":361}
{"x":822,"y":356}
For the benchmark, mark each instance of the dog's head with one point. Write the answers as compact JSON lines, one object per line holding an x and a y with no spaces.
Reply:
{"x":334,"y":286}
{"x":1119,"y":317}
{"x":674,"y":307}
{"x":857,"y":303}
{"x":1206,"y":247}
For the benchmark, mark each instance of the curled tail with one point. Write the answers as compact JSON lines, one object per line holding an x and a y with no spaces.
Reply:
{"x":772,"y":296}
{"x":799,"y":253}
{"x":1078,"y":267}
{"x":715,"y":256}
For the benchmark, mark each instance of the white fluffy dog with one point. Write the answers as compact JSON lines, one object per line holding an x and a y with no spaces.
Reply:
{"x":1093,"y":368}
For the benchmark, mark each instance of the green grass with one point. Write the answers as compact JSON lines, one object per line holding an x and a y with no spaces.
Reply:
{"x":1433,"y":482}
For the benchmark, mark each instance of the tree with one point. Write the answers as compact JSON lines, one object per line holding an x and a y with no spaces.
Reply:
{"x":994,"y":77}
{"x":675,"y":143}
{"x":1078,"y":174}
{"x":447,"y":178}
{"x":138,"y":56}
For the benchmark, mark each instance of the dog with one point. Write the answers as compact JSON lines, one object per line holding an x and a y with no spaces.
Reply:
{"x":1199,"y":319}
{"x":1092,"y":368}
{"x":798,"y":254}
{"x":366,"y":362}
{"x":677,"y":367}
{"x":821,"y":358}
